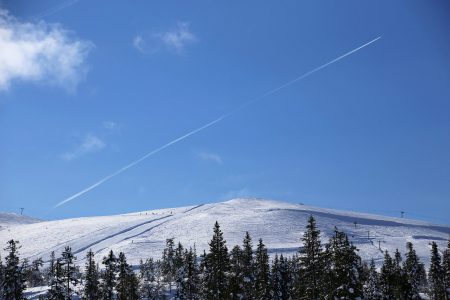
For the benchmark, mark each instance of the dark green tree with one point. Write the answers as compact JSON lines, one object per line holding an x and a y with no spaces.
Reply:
{"x":387,"y":277}
{"x":108,"y":276}
{"x":372,"y":285}
{"x":188,"y":277}
{"x":57,"y":289}
{"x":280,"y":279}
{"x":414,"y":272}
{"x":309,"y":280}
{"x":446,"y":269}
{"x":127,"y":286}
{"x":216,"y":267}
{"x":262,"y":272}
{"x":168,"y":263}
{"x":436,"y":289}
{"x":236,"y":273}
{"x":14,"y":282}
{"x":69,"y":270}
{"x":91,"y":278}
{"x":247,"y":278}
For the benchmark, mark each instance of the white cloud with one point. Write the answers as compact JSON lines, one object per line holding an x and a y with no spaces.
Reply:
{"x":40,"y":52}
{"x":110,"y":125}
{"x":175,"y":40}
{"x":240,"y":193}
{"x":211,"y":157}
{"x":89,"y":144}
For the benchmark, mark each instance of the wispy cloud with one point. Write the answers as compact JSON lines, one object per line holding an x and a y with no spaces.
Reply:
{"x":213,"y":157}
{"x":40,"y":52}
{"x":175,"y":40}
{"x":110,"y":125}
{"x":239,"y":193}
{"x":89,"y":144}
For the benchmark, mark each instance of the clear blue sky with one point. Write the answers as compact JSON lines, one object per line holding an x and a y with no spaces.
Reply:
{"x":115,"y":80}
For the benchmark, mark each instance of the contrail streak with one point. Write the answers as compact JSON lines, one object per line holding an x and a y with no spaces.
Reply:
{"x":221,"y":118}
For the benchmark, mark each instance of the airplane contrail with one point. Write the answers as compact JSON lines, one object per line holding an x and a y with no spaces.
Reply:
{"x":219,"y":119}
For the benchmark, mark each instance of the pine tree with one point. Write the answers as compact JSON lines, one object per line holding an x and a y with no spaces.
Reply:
{"x":415,"y":276}
{"x":36,"y":278}
{"x":127,"y":287}
{"x":436,"y":275}
{"x":280,"y":279}
{"x":69,"y":271}
{"x":344,"y":281}
{"x":387,"y":277}
{"x":56,"y":291}
{"x":2,"y":275}
{"x":400,"y":283}
{"x":372,"y":285}
{"x":108,"y":276}
{"x":168,"y":263}
{"x":262,"y":272}
{"x":309,"y":280}
{"x":216,"y":267}
{"x":91,"y":278}
{"x":446,"y":269}
{"x":236,"y":273}
{"x":248,"y":268}
{"x":188,"y":277}
{"x":13,"y":284}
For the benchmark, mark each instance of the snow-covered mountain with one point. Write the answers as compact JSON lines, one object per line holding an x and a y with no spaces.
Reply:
{"x":279,"y":224}
{"x":12,"y":219}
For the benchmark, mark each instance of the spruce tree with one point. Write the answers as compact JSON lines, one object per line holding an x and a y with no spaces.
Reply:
{"x":446,"y":269}
{"x":69,"y":271}
{"x":280,"y":279}
{"x":344,"y":281}
{"x":127,"y":287}
{"x":216,"y":267}
{"x":309,"y":280}
{"x":168,"y":263}
{"x":2,"y":275}
{"x":35,"y":277}
{"x":372,"y":285}
{"x":91,"y":278}
{"x":400,"y":283}
{"x":236,"y":273}
{"x":415,"y":276}
{"x":436,"y":275}
{"x":57,"y":289}
{"x":248,"y":268}
{"x":262,"y":272}
{"x":387,"y":277}
{"x":188,"y":277}
{"x":14,"y":283}
{"x":108,"y":276}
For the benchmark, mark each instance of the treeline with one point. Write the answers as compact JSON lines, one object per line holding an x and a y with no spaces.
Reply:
{"x":318,"y":271}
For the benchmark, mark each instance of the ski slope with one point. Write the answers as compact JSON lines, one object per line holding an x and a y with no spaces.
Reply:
{"x":142,"y":234}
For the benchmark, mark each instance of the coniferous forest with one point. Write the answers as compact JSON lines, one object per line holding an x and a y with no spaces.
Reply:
{"x":318,"y":271}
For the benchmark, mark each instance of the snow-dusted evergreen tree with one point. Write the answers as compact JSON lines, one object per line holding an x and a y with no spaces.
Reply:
{"x":69,"y":270}
{"x":35,"y":276}
{"x":108,"y":276}
{"x":127,"y":283}
{"x":309,"y":281}
{"x":188,"y":277}
{"x":168,"y":263}
{"x":57,"y":289}
{"x":248,"y":268}
{"x":236,"y":277}
{"x":344,"y":268}
{"x":14,"y":283}
{"x":436,"y":275}
{"x":414,"y":272}
{"x":215,"y":278}
{"x":91,"y":278}
{"x":178,"y":260}
{"x":387,"y":277}
{"x":262,"y":272}
{"x":372,"y":285}
{"x":446,"y":269}
{"x":400,"y":282}
{"x":280,"y":279}
{"x":2,"y":275}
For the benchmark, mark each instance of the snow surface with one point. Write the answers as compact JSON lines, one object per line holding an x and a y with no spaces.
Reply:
{"x":12,"y":219}
{"x":281,"y":225}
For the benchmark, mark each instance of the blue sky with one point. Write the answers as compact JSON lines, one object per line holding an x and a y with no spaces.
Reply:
{"x":88,"y":87}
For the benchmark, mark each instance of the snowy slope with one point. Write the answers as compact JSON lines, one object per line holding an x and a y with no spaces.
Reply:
{"x":279,"y":224}
{"x":12,"y":219}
